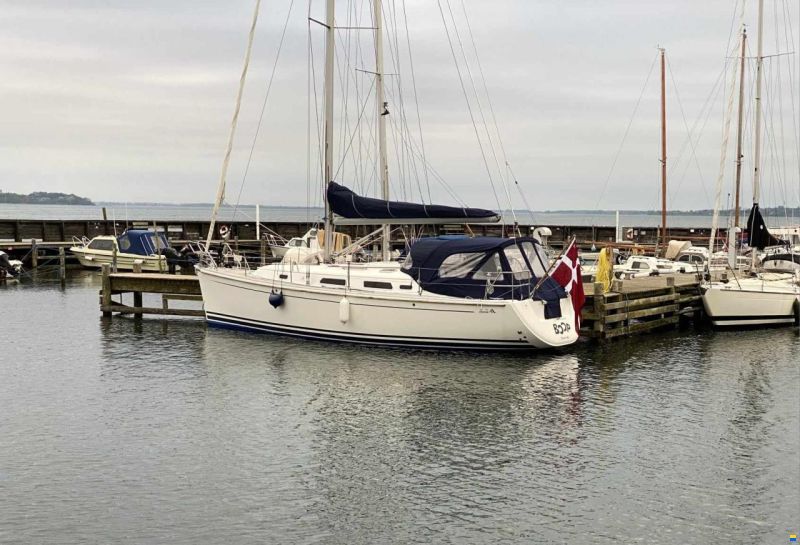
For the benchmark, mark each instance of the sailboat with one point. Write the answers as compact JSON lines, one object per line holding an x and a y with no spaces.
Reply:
{"x":483,"y":293}
{"x":762,"y":298}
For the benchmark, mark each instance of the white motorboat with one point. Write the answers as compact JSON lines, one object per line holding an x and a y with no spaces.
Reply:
{"x":9,"y":268}
{"x":135,"y":246}
{"x":482,"y":293}
{"x":310,"y":242}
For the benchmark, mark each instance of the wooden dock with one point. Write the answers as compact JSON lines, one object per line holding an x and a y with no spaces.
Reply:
{"x":635,"y":306}
{"x":640,"y":305}
{"x":171,"y":287}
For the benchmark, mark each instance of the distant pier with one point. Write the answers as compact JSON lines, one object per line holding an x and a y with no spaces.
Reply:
{"x":19,"y":237}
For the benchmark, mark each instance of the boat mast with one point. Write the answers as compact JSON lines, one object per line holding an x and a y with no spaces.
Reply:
{"x":757,"y":152}
{"x":736,"y":212}
{"x":382,"y":112}
{"x":328,"y":130}
{"x":663,"y":151}
{"x":234,"y":121}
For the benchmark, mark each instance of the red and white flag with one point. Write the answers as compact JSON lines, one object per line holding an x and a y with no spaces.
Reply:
{"x":567,"y":272}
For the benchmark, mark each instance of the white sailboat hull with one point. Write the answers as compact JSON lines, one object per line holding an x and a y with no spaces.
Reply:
{"x":237,"y":299}
{"x":750,"y":303}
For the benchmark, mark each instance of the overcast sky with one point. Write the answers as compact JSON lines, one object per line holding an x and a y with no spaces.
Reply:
{"x":132,"y":100}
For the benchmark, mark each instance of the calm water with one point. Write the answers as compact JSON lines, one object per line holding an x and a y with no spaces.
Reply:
{"x":167,"y":212}
{"x":161,"y":431}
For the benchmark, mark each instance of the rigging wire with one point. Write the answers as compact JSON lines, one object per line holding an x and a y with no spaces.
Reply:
{"x":624,"y":138}
{"x":469,"y":105}
{"x":263,"y":109}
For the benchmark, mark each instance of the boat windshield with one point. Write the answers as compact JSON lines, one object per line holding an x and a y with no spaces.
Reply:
{"x":536,"y":258}
{"x":519,"y":269}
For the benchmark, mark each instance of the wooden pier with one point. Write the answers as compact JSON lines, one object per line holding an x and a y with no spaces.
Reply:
{"x":640,"y":305}
{"x":635,"y":306}
{"x":171,"y":287}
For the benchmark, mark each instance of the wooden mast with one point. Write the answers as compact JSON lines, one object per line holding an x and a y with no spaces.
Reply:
{"x":663,"y":150}
{"x":737,"y":212}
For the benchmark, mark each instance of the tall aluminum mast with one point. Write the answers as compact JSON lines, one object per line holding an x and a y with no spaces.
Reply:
{"x":757,"y":128}
{"x":382,"y":112}
{"x":328,"y":142}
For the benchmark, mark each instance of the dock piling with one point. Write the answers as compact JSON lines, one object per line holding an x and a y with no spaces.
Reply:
{"x":34,"y":254}
{"x":105,"y":293}
{"x":62,"y":265}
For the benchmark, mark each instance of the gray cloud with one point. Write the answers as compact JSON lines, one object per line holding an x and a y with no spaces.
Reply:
{"x":132,"y":100}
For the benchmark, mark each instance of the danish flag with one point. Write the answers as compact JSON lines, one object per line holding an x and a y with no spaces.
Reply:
{"x":567,"y":272}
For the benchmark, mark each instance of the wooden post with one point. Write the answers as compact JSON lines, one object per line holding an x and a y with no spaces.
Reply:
{"x":137,"y":295}
{"x":599,"y":310}
{"x":34,"y":254}
{"x":105,"y":221}
{"x":106,"y":290}
{"x":114,"y":258}
{"x":62,"y":264}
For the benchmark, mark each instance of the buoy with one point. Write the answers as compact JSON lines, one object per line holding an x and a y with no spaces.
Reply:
{"x":344,"y":310}
{"x":275,"y":299}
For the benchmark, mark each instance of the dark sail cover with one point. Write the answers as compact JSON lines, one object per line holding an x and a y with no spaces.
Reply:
{"x":347,"y":204}
{"x":760,"y":237}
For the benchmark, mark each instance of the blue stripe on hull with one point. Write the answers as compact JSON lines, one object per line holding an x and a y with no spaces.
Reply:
{"x":227,"y":322}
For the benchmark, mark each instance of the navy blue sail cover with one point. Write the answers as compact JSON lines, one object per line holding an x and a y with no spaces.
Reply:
{"x":347,"y":204}
{"x":142,"y":242}
{"x":481,"y":267}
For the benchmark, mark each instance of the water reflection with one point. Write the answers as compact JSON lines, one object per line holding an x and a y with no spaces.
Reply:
{"x":172,"y":432}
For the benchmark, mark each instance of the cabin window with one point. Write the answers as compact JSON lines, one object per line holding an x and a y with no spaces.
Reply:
{"x":537,"y":260}
{"x":684,"y":258}
{"x":380,"y":285}
{"x":405,"y":286}
{"x":459,"y":265}
{"x":157,"y":242}
{"x":124,"y":243}
{"x":492,"y":268}
{"x":334,"y":281}
{"x":283,"y":276}
{"x":640,"y":265}
{"x":517,"y":263}
{"x":102,"y":244}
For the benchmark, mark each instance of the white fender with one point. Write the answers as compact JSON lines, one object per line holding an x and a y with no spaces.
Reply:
{"x":344,"y":310}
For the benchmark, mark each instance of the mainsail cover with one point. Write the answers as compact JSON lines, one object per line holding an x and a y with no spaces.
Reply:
{"x":347,"y":204}
{"x":760,"y":237}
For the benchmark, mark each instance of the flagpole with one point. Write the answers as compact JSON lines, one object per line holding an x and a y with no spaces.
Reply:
{"x":553,"y":264}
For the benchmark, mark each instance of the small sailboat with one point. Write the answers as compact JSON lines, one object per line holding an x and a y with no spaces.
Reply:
{"x":762,"y":298}
{"x":484,"y":293}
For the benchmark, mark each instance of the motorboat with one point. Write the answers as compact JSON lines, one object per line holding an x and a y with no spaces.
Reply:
{"x":9,"y":268}
{"x":144,"y":247}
